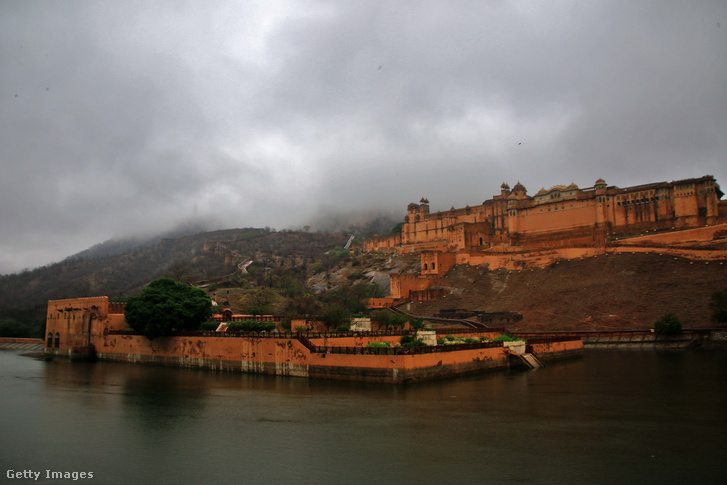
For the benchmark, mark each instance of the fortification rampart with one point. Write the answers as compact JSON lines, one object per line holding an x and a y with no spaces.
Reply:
{"x":515,"y":231}
{"x":561,"y":216}
{"x":85,"y":327}
{"x":289,"y":357}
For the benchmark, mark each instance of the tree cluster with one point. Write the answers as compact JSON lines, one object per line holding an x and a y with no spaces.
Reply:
{"x":166,"y":305}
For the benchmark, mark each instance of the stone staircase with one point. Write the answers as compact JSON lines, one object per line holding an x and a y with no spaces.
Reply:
{"x":531,"y":360}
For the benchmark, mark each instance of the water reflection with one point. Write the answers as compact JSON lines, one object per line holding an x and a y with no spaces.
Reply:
{"x":639,"y":417}
{"x":159,"y":398}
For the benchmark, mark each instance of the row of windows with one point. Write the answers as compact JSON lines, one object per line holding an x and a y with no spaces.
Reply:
{"x":639,"y":201}
{"x":562,"y":207}
{"x":636,"y":195}
{"x":50,"y":343}
{"x":66,"y":316}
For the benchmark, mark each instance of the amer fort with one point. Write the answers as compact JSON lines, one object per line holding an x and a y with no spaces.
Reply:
{"x":511,"y":230}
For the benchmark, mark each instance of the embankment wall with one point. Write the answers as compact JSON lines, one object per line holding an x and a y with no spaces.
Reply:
{"x":289,"y":357}
{"x":9,"y":343}
{"x":637,"y":339}
{"x":556,"y":350}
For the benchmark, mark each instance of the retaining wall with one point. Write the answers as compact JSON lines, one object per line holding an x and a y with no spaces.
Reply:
{"x":556,"y":350}
{"x":289,"y":357}
{"x":9,"y":343}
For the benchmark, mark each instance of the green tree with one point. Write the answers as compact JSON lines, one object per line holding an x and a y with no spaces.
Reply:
{"x":166,"y":305}
{"x":718,"y":305}
{"x":336,"y":315}
{"x":417,"y":323}
{"x":10,"y":327}
{"x":350,"y":296}
{"x":668,"y":324}
{"x":383,"y":317}
{"x":409,"y":341}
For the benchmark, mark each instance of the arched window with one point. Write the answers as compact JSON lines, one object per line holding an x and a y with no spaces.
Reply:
{"x":432,"y":266}
{"x":482,"y":241}
{"x":58,"y":340}
{"x":49,"y":343}
{"x":425,"y":266}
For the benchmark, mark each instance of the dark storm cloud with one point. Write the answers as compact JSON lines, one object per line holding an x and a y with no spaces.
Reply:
{"x":122,"y":117}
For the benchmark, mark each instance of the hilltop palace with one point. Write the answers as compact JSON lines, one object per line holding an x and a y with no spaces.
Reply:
{"x":515,"y":230}
{"x":511,"y":231}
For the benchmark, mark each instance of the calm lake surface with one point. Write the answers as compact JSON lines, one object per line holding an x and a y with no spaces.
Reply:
{"x":610,"y":417}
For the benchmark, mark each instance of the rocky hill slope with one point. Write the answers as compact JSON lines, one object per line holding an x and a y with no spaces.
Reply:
{"x":622,"y":291}
{"x":303,"y":272}
{"x":201,"y":256}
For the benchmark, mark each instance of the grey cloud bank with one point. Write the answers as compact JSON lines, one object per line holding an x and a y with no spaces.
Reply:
{"x":127,"y":117}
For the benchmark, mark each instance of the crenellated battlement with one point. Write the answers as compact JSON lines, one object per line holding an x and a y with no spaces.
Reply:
{"x":514,"y":230}
{"x":514,"y":218}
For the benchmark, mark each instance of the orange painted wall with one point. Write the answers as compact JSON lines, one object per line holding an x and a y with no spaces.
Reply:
{"x":402,"y":284}
{"x":71,"y":319}
{"x":551,"y":348}
{"x":526,"y":259}
{"x":289,"y":357}
{"x":687,"y":235}
{"x":662,"y":205}
{"x":694,"y":254}
{"x":273,"y":355}
{"x":569,"y":214}
{"x":436,"y":262}
{"x":381,"y":302}
{"x":382,"y":243}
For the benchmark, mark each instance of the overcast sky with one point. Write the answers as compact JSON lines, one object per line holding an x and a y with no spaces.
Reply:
{"x":128,"y":116}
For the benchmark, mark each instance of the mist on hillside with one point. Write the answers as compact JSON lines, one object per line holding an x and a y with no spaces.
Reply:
{"x":121,"y":121}
{"x":361,"y":223}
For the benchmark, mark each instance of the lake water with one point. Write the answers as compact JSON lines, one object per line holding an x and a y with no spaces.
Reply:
{"x":610,"y":417}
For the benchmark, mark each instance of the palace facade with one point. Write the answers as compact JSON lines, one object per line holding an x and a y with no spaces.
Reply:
{"x":561,"y":216}
{"x":514,"y":230}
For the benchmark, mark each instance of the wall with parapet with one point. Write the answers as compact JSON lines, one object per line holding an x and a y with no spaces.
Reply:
{"x":386,"y":302}
{"x":68,"y":322}
{"x":563,"y":212}
{"x":676,"y":237}
{"x":289,"y":357}
{"x":557,"y":349}
{"x":382,"y":243}
{"x":695,"y":244}
{"x":83,"y":323}
{"x":514,"y":231}
{"x":436,"y":262}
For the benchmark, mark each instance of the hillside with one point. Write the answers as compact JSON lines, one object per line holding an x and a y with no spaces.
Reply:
{"x":302,"y":272}
{"x":624,"y":291}
{"x":24,"y":296}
